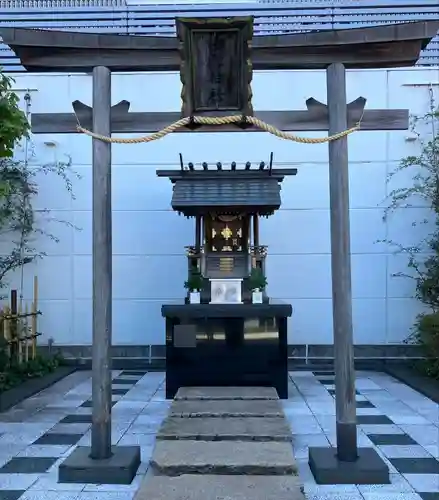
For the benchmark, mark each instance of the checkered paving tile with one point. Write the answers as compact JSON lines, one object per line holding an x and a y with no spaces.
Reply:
{"x":401,"y":424}
{"x":11,"y":494}
{"x":32,"y":449}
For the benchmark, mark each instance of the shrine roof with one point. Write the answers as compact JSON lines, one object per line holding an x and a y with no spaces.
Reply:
{"x":190,"y":196}
{"x":196,"y":192}
{"x":393,"y":45}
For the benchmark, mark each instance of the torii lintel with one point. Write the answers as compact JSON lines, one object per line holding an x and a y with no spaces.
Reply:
{"x":313,"y":119}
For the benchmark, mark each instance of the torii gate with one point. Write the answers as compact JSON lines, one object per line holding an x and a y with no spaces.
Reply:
{"x":376,"y":47}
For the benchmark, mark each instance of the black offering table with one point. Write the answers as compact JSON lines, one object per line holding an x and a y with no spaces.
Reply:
{"x":226,"y":345}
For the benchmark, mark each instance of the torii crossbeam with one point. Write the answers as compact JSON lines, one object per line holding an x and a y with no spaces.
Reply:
{"x":314,"y":119}
{"x":334,"y":51}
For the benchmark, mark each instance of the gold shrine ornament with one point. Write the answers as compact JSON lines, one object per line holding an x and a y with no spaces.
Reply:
{"x":227,"y":233}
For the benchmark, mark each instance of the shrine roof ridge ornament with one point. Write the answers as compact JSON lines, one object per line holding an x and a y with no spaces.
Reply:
{"x":218,"y":166}
{"x":244,"y":175}
{"x":191,"y":173}
{"x":385,"y":46}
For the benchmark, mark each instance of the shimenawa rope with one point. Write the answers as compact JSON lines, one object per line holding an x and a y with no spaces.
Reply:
{"x":224,"y":120}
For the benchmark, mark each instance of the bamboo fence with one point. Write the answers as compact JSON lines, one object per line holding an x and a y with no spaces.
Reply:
{"x":19,"y":326}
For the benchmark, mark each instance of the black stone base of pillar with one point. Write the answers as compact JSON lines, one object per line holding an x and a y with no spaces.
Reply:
{"x":120,"y":468}
{"x":369,"y":468}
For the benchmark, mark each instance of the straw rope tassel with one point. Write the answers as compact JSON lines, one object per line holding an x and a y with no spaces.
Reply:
{"x":224,"y":120}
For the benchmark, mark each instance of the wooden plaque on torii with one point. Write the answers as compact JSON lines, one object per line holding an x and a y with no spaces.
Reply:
{"x":215,"y":67}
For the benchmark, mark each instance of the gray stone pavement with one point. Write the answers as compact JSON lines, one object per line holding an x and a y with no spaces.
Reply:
{"x":210,"y":487}
{"x":226,"y":429}
{"x":39,"y":433}
{"x":229,"y":408}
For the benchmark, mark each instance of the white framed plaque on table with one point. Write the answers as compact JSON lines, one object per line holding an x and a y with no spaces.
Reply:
{"x":226,"y":291}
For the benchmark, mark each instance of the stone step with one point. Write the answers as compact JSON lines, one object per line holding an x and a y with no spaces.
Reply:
{"x":173,"y":458}
{"x":232,"y":408}
{"x":226,"y":429}
{"x":211,"y":487}
{"x":212,"y":393}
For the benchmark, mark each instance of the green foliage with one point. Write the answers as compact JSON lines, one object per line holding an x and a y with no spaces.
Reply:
{"x":194,"y":283}
{"x":426,"y":333}
{"x":13,"y":375}
{"x":4,"y":357}
{"x":18,"y":224}
{"x":13,"y":121}
{"x":18,"y":220}
{"x":16,"y":216}
{"x":423,"y":259}
{"x":257,"y":280}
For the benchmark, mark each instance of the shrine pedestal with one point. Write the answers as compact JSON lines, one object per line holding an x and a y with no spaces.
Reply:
{"x":226,"y":345}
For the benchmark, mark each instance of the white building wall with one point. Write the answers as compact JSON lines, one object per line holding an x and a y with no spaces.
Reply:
{"x":149,"y":264}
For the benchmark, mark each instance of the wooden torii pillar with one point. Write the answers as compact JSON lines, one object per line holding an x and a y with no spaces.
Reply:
{"x":101,"y":267}
{"x":334,"y":51}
